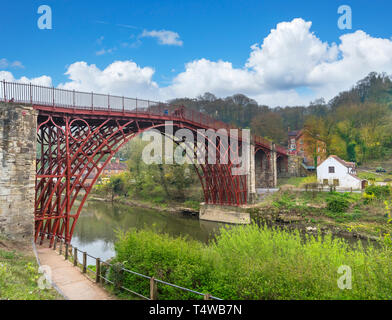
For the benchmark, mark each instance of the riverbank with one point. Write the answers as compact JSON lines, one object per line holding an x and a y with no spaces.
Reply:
{"x":347,"y":215}
{"x":19,"y":273}
{"x":173,"y":207}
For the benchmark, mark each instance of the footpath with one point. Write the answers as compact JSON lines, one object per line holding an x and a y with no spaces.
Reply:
{"x":69,"y":280}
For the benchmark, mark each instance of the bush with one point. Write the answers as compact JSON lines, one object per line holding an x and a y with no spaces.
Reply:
{"x":249,"y":262}
{"x":337,"y":203}
{"x":175,"y":260}
{"x":380,"y":192}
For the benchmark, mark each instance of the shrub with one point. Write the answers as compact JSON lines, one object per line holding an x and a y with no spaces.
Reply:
{"x":249,"y":262}
{"x":380,"y":192}
{"x":337,"y":202}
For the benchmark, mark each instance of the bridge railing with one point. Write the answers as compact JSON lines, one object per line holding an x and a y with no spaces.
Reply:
{"x":28,"y":93}
{"x":71,"y":253}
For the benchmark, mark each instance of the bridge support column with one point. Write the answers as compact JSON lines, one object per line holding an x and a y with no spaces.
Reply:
{"x":274,"y":167}
{"x":18,"y":135}
{"x":266,"y":175}
{"x":251,"y":177}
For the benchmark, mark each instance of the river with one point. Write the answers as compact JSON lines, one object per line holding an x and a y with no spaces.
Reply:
{"x":95,"y":229}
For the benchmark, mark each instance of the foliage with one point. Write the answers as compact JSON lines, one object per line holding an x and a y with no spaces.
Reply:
{"x":379,"y":192}
{"x":337,"y":202}
{"x":158,"y":183}
{"x":388,"y":211}
{"x":18,"y":278}
{"x":249,"y":262}
{"x":368,"y":197}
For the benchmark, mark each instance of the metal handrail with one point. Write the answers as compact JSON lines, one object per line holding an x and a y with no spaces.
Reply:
{"x":28,"y":93}
{"x":99,"y":276}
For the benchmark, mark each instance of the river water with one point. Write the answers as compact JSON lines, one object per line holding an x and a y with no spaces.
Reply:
{"x":95,"y":230}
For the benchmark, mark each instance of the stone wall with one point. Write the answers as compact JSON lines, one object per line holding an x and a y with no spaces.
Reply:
{"x":295,"y":167}
{"x":18,"y":127}
{"x":265,"y":171}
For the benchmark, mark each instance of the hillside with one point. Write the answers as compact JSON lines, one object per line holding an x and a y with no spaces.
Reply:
{"x":354,"y":125}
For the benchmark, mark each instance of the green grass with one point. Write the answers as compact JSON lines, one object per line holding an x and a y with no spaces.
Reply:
{"x":249,"y":262}
{"x":297,"y":181}
{"x":19,"y":276}
{"x":373,"y":176}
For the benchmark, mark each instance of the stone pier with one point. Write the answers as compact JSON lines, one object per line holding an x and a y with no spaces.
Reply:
{"x":266,"y":175}
{"x":227,"y":214}
{"x":18,"y":135}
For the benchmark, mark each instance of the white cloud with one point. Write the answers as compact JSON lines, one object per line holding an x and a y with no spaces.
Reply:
{"x":119,"y":78}
{"x":4,"y":63}
{"x":289,"y":59}
{"x":164,"y":37}
{"x":42,"y":81}
{"x":105,"y":51}
{"x":291,"y":66}
{"x":218,"y":77}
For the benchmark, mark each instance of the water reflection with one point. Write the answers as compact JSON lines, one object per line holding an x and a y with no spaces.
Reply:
{"x":95,"y":229}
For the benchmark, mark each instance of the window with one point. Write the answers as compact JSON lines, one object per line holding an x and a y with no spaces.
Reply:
{"x":335,"y":182}
{"x":325,"y":182}
{"x":331,"y":169}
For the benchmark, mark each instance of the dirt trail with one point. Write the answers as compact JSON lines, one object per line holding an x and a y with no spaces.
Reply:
{"x":72,"y":283}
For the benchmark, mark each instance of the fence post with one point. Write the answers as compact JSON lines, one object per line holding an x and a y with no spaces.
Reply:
{"x":53,"y":95}
{"x":153,"y":289}
{"x":136,"y":105}
{"x":5,"y":91}
{"x":84,"y":262}
{"x":123,"y":104}
{"x":92,"y":101}
{"x":73,"y":99}
{"x":75,"y":257}
{"x":31,"y":94}
{"x":207,"y":296}
{"x":108,"y":101}
{"x":98,"y":270}
{"x":66,"y":251}
{"x":61,"y":247}
{"x":55,"y":243}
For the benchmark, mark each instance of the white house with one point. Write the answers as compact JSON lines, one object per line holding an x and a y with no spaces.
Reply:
{"x":337,"y":172}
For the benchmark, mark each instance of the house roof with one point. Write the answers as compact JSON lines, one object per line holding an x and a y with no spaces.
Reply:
{"x":347,"y":164}
{"x":295,"y":133}
{"x":116,"y":166}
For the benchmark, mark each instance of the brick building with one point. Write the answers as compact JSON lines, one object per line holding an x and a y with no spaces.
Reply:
{"x":111,"y":168}
{"x":297,"y":146}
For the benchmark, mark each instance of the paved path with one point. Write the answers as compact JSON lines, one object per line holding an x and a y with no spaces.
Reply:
{"x":69,"y":279}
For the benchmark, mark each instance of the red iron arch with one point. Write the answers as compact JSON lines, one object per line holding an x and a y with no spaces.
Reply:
{"x":73,"y":148}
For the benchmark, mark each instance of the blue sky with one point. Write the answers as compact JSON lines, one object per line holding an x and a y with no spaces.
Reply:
{"x":103,"y":32}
